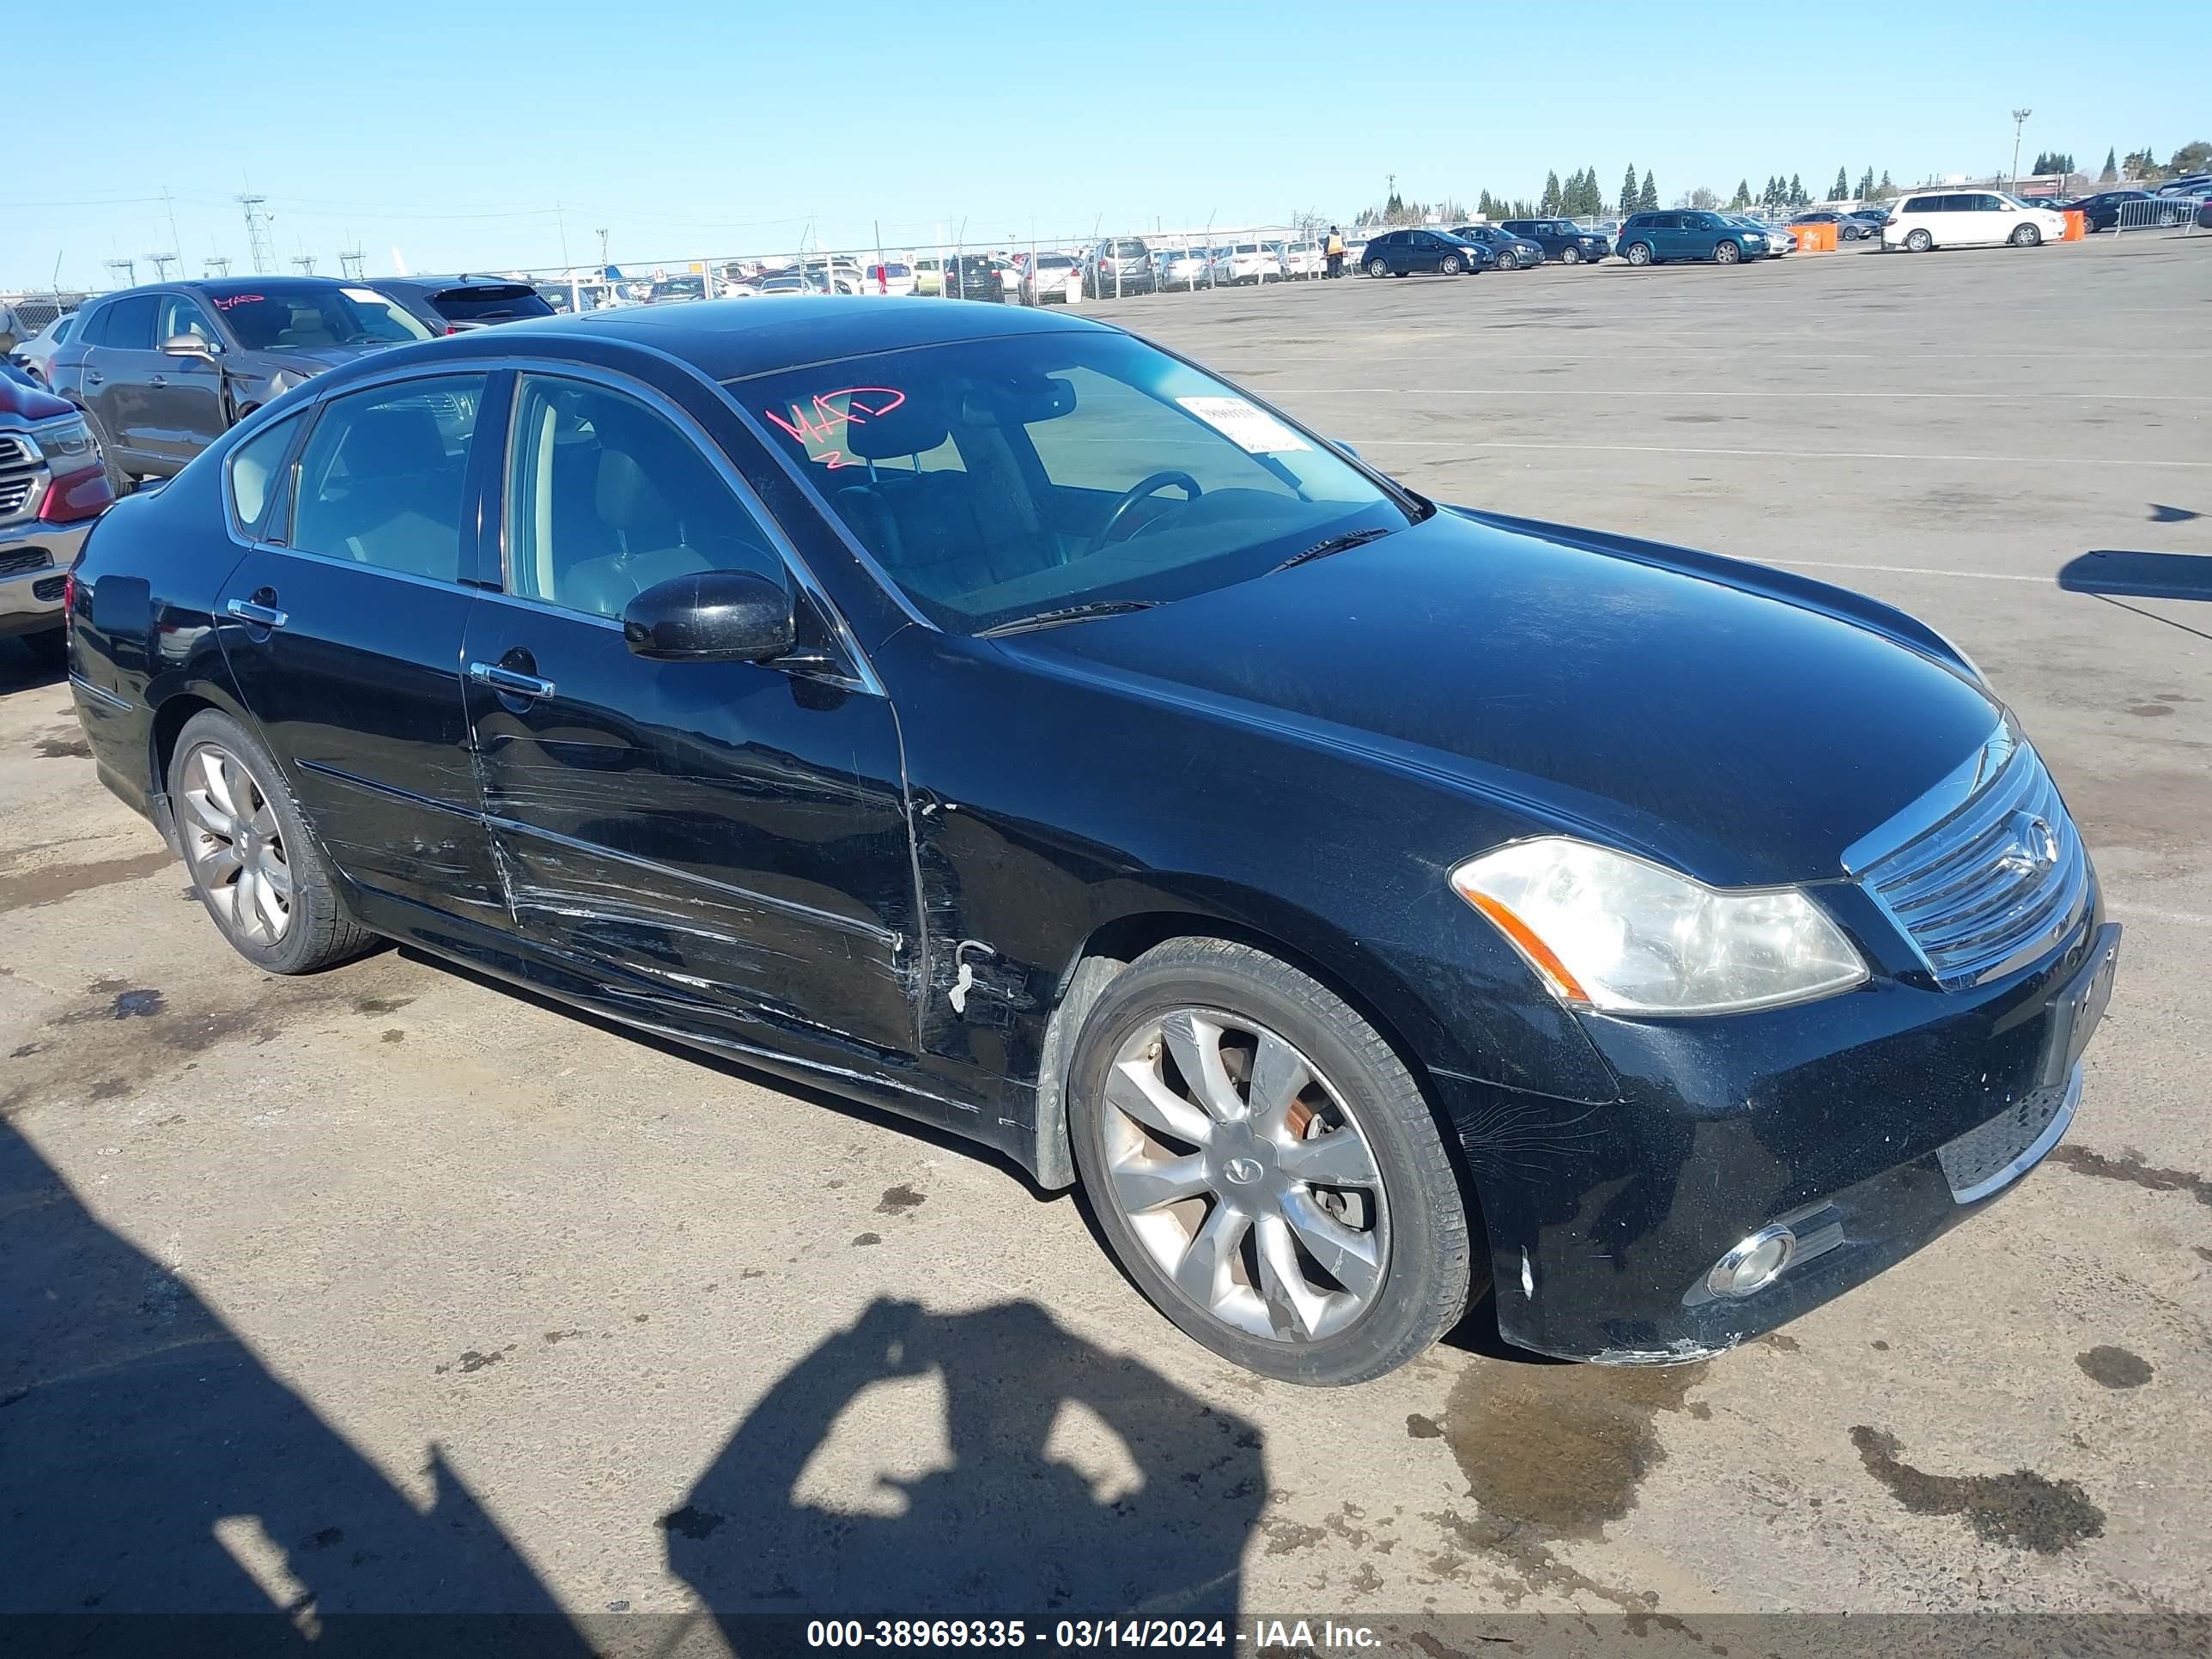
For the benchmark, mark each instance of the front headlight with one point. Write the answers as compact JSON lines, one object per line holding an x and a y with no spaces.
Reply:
{"x":1622,"y":935}
{"x":67,"y":444}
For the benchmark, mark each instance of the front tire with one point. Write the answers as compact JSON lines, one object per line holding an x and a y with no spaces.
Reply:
{"x":1639,"y":253}
{"x":1726,"y":253}
{"x":1451,"y":266}
{"x":1264,"y":1167}
{"x":49,"y":648}
{"x":2027,"y":236}
{"x":257,"y":870}
{"x":1572,"y":256}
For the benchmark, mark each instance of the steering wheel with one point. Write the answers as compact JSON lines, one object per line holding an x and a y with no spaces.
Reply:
{"x":1135,"y":493}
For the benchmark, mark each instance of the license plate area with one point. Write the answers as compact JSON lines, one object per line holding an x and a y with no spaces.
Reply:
{"x":2077,"y":1010}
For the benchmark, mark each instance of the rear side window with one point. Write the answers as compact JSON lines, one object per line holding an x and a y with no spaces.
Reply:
{"x":253,"y":472}
{"x":126,"y":324}
{"x":1919,"y":204}
{"x":381,"y":482}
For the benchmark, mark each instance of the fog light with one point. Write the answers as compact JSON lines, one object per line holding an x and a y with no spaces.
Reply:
{"x":1754,"y":1264}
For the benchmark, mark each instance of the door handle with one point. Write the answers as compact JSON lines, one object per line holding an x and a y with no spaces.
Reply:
{"x":512,"y":681}
{"x":261,"y":616}
{"x":160,"y":379}
{"x":94,"y":376}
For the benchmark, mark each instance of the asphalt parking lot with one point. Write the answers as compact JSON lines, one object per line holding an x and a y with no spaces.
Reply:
{"x":389,"y":1289}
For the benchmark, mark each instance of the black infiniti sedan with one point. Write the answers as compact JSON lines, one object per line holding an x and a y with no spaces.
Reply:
{"x":986,"y":714}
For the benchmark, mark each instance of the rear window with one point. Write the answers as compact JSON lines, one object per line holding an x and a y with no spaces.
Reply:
{"x":489,"y":302}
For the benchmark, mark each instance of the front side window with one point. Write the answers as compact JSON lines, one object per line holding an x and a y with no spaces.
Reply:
{"x":994,"y":479}
{"x":253,"y":472}
{"x":279,"y":314}
{"x":382,"y":479}
{"x":179,"y":314}
{"x":606,"y":498}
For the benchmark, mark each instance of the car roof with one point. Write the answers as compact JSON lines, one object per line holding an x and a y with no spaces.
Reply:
{"x":730,"y":339}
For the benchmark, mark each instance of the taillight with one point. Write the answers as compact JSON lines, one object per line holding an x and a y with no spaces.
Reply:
{"x":453,"y":328}
{"x":81,"y":495}
{"x":69,"y":595}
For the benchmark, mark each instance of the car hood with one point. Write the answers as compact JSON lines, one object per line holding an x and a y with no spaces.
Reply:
{"x":20,"y":403}
{"x":1744,"y":737}
{"x":314,"y":359}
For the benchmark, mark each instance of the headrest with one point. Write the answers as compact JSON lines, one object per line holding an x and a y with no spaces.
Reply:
{"x":623,"y":494}
{"x":912,"y":428}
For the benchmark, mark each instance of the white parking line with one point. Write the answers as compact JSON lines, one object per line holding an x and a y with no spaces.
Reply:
{"x":1795,"y":394}
{"x":1908,"y":570}
{"x":1771,"y":454}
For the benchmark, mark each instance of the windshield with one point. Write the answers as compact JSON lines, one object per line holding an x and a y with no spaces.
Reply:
{"x":280,"y":315}
{"x":995,"y":479}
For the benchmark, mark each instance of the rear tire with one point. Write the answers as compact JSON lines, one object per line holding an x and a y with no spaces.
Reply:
{"x":1378,"y":268}
{"x":264,"y":882}
{"x":1314,"y":1233}
{"x":1918,"y":241}
{"x":1639,"y":253}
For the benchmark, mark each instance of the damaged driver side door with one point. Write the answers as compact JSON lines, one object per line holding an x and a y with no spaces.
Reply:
{"x":716,"y":846}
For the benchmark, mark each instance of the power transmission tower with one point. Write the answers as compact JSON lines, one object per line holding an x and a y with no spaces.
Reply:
{"x":349,"y":263}
{"x":125,"y":268}
{"x":304,"y":263}
{"x":216,"y":264}
{"x":161,"y":261}
{"x":258,"y":247}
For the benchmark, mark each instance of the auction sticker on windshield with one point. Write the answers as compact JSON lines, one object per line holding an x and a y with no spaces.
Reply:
{"x":1255,"y":430}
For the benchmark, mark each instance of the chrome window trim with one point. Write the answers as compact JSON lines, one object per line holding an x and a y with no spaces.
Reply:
{"x":863,"y":676}
{"x":407,"y":576}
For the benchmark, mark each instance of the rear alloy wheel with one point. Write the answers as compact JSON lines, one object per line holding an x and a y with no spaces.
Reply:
{"x":1378,"y":268}
{"x":1450,"y":266}
{"x":1918,"y":241}
{"x":2027,"y":236}
{"x":252,"y":861}
{"x":1640,"y":253}
{"x":1726,"y":253}
{"x":1264,"y":1166}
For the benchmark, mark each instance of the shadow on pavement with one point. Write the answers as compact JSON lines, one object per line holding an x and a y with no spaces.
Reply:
{"x":160,"y":1491}
{"x":1139,"y":1503}
{"x":2108,"y":570}
{"x":24,"y":670}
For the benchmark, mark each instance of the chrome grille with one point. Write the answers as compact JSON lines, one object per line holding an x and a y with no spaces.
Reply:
{"x":14,"y":492}
{"x":16,"y":452}
{"x":1993,"y":885}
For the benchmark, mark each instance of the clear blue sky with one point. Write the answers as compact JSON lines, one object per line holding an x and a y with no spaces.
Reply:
{"x":451,"y":133}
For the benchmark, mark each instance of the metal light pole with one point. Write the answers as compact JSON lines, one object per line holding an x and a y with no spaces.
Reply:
{"x":2018,"y":120}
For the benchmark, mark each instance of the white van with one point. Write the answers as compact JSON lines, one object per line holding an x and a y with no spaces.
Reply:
{"x":1967,"y":218}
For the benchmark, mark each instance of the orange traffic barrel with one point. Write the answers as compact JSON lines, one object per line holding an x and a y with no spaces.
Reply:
{"x":2077,"y":226}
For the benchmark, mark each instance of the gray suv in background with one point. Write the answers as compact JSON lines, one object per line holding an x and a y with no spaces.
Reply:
{"x":162,"y":372}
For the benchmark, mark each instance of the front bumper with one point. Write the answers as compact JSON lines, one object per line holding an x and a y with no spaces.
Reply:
{"x":30,"y":590}
{"x":1869,"y":1123}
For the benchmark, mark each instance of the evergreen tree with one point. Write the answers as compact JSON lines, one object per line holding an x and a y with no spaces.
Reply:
{"x":1648,"y":198}
{"x":1797,"y":196}
{"x":1629,"y":195}
{"x":1866,"y":185}
{"x":1886,"y":187}
{"x":1843,"y":185}
{"x":2111,"y":172}
{"x":1741,"y":199}
{"x":1550,"y":204}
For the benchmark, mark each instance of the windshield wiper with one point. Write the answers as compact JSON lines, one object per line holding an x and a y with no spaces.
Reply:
{"x":1334,"y":544}
{"x":1068,"y":613}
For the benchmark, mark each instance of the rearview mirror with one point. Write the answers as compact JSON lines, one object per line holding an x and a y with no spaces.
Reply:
{"x":188,"y":345}
{"x":715,"y":615}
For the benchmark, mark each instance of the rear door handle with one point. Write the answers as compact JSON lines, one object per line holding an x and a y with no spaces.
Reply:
{"x":512,"y":681}
{"x":94,"y":376}
{"x":261,"y":616}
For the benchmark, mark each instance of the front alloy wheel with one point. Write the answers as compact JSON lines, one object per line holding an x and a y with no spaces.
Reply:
{"x":1451,"y":265}
{"x":1727,"y":253}
{"x":2027,"y":236}
{"x":1264,"y":1167}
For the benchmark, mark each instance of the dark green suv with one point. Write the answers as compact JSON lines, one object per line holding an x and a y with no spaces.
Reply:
{"x":1651,"y":239}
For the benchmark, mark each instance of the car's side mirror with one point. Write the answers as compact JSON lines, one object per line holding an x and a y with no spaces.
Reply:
{"x":714,"y":615}
{"x":188,"y":345}
{"x":1348,"y":449}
